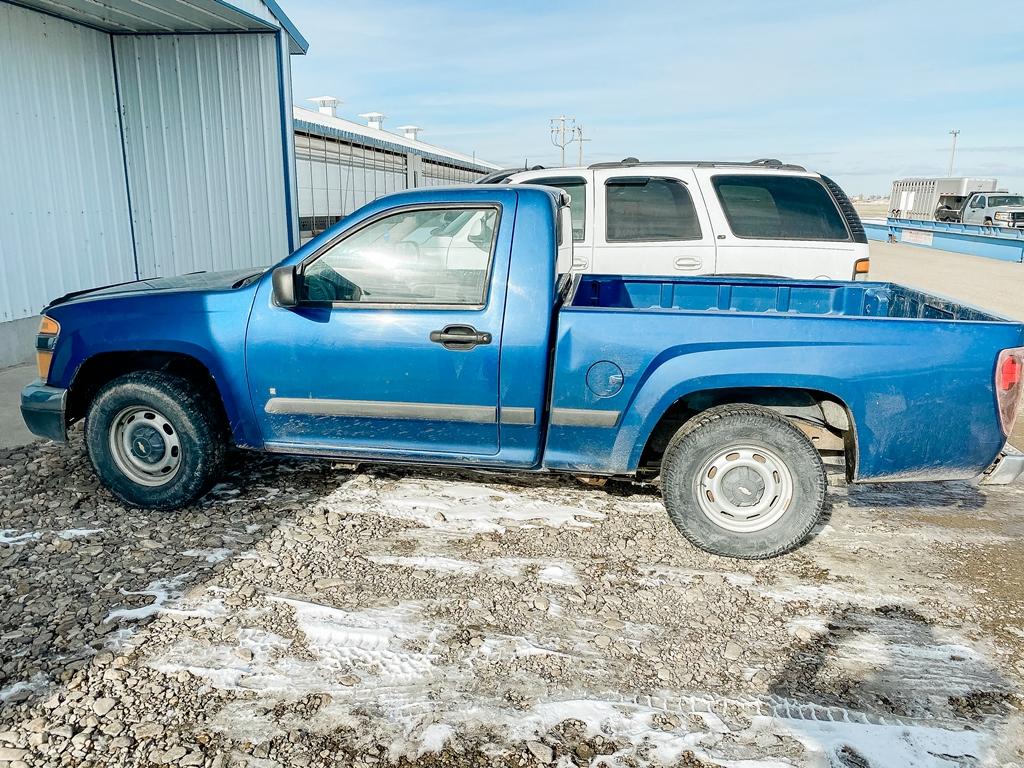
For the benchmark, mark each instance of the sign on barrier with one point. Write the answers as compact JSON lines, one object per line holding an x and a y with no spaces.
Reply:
{"x":917,"y":237}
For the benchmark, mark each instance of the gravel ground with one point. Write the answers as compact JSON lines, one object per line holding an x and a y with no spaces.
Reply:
{"x":304,"y":614}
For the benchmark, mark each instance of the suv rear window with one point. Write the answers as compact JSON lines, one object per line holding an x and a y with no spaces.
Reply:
{"x":646,"y":208}
{"x":779,"y":208}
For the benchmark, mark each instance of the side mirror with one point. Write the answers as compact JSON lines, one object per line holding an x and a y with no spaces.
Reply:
{"x":287,"y":286}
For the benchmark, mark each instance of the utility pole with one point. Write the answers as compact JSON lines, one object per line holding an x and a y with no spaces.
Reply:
{"x":559,"y":127}
{"x":578,"y":132}
{"x":952,"y":154}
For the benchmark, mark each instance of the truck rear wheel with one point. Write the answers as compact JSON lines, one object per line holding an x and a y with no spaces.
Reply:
{"x":742,"y":481}
{"x":154,"y":441}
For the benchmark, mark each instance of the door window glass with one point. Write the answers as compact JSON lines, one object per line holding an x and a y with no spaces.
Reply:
{"x":426,"y":256}
{"x":577,"y":189}
{"x":779,"y":207}
{"x":645,"y":209}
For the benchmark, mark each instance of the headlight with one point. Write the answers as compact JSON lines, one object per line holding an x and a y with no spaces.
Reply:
{"x":1003,"y":215}
{"x":49,"y":329}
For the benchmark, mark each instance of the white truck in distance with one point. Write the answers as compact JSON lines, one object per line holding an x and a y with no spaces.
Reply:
{"x":990,"y":209}
{"x":706,"y":218}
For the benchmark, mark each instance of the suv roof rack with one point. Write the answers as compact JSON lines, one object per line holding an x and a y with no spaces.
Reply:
{"x":500,"y":177}
{"x":764,"y":162}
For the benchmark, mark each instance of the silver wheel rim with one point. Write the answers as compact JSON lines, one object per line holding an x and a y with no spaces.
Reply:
{"x":744,"y":488}
{"x":145,"y":446}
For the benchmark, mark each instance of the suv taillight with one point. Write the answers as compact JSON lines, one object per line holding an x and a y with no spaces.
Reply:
{"x":1009,"y":383}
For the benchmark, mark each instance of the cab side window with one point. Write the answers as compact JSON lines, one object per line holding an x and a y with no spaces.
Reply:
{"x":577,"y":189}
{"x":779,"y":208}
{"x":425,"y":256}
{"x":646,"y":208}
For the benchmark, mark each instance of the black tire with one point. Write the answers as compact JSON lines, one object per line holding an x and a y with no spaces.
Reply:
{"x":196,"y":442}
{"x":717,"y":430}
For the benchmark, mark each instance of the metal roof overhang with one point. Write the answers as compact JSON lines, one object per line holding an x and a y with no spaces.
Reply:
{"x":168,"y":17}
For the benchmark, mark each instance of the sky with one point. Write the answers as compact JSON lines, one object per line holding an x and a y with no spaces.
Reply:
{"x":865,"y":92}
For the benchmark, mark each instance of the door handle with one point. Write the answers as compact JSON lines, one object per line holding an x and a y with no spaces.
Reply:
{"x":688,"y":262}
{"x":458,"y":337}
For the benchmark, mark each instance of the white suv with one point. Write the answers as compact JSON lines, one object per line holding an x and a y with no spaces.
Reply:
{"x":707,"y":218}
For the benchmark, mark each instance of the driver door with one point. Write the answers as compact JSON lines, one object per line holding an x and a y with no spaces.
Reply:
{"x":974,"y":211}
{"x":394,"y":346}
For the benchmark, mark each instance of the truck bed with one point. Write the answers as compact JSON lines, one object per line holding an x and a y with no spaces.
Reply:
{"x":915,"y":372}
{"x":787,"y":297}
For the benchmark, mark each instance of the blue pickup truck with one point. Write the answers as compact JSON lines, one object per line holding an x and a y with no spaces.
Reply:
{"x":442,"y":327}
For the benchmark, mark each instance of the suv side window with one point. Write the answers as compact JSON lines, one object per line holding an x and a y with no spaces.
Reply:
{"x":416,"y":256}
{"x":779,"y":208}
{"x":576,"y":186}
{"x":647,"y":208}
{"x":979,"y":202}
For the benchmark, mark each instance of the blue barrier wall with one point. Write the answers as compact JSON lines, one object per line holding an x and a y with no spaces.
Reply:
{"x":1003,"y":243}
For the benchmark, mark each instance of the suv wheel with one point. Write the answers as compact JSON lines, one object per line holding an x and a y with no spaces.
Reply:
{"x":154,"y":440}
{"x":742,"y":481}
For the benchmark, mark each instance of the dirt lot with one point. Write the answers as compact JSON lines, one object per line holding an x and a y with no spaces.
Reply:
{"x":309,"y":615}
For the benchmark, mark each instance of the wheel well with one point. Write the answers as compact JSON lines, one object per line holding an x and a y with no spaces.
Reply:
{"x":823,"y":417}
{"x":103,"y":368}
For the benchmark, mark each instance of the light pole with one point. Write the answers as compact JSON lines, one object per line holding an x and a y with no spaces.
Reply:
{"x":559,"y":127}
{"x":952,"y":153}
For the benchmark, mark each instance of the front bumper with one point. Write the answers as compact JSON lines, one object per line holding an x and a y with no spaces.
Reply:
{"x":1005,"y":469}
{"x":43,"y":409}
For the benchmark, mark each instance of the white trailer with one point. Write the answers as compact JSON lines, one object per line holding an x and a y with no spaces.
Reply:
{"x":920,"y":198}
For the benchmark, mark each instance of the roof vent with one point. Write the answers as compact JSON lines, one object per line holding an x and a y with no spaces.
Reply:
{"x":326,"y":105}
{"x":374,"y":120}
{"x":410,"y":131}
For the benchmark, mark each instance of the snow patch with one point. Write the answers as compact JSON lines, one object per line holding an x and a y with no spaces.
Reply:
{"x":11,"y":536}
{"x":434,"y":737}
{"x":457,"y":508}
{"x":79,"y":533}
{"x":433,"y":563}
{"x":36,"y":684}
{"x":161,"y":590}
{"x":210,"y":555}
{"x":888,"y":746}
{"x":562,"y":574}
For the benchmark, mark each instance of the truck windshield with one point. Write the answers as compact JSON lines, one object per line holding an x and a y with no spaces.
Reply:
{"x":994,"y":200}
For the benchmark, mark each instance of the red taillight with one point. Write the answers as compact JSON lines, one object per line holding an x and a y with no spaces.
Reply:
{"x":1009,"y":375}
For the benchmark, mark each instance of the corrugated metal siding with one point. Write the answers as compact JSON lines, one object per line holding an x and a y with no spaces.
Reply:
{"x":62,"y":186}
{"x":203,"y":138}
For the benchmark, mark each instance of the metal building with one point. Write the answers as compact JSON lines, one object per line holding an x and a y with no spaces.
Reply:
{"x":139,"y":139}
{"x":342,"y":164}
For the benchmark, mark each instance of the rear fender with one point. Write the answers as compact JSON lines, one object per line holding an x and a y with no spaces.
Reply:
{"x":672,"y":382}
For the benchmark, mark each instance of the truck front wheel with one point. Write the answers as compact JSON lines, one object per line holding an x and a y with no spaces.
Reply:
{"x":154,"y":441}
{"x":742,"y":481}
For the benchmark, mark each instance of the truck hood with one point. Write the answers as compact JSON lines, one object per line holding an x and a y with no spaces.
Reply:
{"x":194,"y":282}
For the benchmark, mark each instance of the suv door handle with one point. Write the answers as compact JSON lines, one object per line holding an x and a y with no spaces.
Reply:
{"x":458,"y":337}
{"x":689,"y":262}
